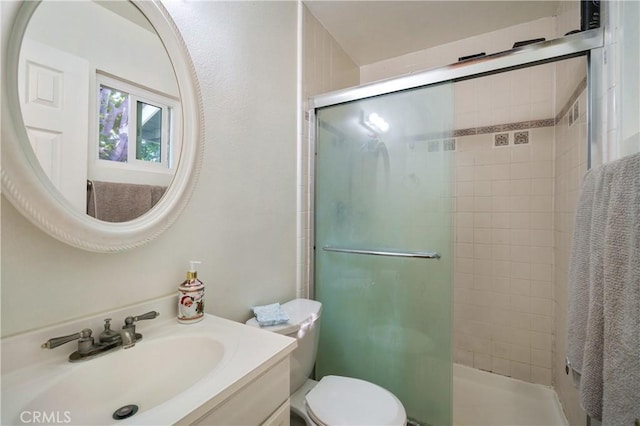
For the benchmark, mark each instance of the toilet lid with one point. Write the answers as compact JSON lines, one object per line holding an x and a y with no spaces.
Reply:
{"x":337,"y":400}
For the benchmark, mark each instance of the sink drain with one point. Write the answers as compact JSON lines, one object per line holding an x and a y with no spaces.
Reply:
{"x":125,"y":412}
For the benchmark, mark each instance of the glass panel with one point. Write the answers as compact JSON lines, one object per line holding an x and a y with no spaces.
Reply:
{"x":149,"y":134}
{"x":113,"y":124}
{"x":383,"y":181}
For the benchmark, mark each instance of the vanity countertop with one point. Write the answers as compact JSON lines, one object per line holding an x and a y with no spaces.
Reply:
{"x":232,"y":355}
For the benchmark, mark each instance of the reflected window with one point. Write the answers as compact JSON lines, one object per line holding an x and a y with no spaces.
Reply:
{"x":134,"y":125}
{"x":149,"y":136}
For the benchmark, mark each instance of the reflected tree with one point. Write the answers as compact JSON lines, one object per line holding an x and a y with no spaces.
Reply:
{"x":114,"y":122}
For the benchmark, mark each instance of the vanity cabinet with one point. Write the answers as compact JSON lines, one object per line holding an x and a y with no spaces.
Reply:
{"x":281,"y":417}
{"x":263,"y":401}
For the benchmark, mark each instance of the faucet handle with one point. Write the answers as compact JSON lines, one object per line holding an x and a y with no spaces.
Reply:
{"x":84,"y":335}
{"x":128,"y":321}
{"x":129,"y":326}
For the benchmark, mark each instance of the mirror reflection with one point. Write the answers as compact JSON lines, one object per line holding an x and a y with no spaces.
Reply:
{"x":101,"y":106}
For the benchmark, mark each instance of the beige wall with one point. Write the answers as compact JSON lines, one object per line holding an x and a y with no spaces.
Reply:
{"x":241,"y":220}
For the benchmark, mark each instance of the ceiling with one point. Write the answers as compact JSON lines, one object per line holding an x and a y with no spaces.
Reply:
{"x":371,"y":31}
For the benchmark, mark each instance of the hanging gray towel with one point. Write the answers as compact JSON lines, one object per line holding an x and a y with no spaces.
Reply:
{"x":121,"y":202}
{"x":603,"y":341}
{"x":580,"y":270}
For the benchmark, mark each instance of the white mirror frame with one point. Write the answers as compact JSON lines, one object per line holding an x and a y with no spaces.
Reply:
{"x":27,"y":187}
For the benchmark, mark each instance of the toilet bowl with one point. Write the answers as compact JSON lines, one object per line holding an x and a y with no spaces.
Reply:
{"x":334,"y":400}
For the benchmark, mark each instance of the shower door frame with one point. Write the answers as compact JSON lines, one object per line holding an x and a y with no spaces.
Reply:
{"x":573,"y":45}
{"x":588,"y":43}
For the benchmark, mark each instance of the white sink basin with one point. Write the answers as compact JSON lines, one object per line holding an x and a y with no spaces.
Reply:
{"x":146,"y":375}
{"x":174,"y":373}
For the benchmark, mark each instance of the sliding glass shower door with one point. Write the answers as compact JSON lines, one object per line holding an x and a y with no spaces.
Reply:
{"x":383,"y":258}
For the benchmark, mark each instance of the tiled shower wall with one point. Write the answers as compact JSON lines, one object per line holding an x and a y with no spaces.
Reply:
{"x":326,"y":67}
{"x":503,"y":270}
{"x":503,"y":299}
{"x":570,"y":166}
{"x":514,"y":222}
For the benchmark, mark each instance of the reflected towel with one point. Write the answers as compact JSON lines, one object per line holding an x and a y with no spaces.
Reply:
{"x":272,"y":314}
{"x":604,"y":309}
{"x":121,"y":202}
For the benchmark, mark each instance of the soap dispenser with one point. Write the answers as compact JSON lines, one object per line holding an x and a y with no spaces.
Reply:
{"x":191,"y":297}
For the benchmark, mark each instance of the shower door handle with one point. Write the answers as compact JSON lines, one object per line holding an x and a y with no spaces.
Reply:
{"x":391,"y":253}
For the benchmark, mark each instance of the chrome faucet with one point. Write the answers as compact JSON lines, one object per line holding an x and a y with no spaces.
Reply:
{"x":108,"y":341}
{"x":129,"y":338}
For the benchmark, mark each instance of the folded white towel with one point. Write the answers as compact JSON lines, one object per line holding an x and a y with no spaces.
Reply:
{"x":272,"y":314}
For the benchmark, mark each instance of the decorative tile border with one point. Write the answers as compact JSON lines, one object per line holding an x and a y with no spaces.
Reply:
{"x":433,"y":146}
{"x":570,"y":103}
{"x":509,"y":127}
{"x":441,"y":145}
{"x":501,"y":139}
{"x":570,"y":118}
{"x":520,"y":138}
{"x":449,"y":145}
{"x":464,"y":132}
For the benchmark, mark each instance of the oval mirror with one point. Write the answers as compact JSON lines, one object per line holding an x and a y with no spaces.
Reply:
{"x":102,"y":121}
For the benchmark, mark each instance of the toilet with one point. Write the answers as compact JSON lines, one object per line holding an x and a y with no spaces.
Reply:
{"x":334,"y":400}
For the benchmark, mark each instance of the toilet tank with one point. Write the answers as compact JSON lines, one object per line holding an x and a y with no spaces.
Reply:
{"x":304,"y":326}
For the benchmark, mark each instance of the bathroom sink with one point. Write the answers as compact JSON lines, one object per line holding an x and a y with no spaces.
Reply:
{"x":175,"y":374}
{"x":144,"y":376}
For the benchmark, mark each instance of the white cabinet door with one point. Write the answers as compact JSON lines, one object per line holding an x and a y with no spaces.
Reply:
{"x":54,"y":97}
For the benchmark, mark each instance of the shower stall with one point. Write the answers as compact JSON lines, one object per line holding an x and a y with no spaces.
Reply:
{"x":391,"y":181}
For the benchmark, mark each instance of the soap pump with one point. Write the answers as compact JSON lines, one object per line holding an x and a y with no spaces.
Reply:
{"x":191,"y":297}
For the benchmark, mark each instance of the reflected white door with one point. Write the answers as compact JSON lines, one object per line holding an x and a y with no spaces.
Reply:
{"x":54,"y":97}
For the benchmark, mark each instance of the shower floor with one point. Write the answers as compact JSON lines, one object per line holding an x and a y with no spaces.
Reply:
{"x":482,"y":398}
